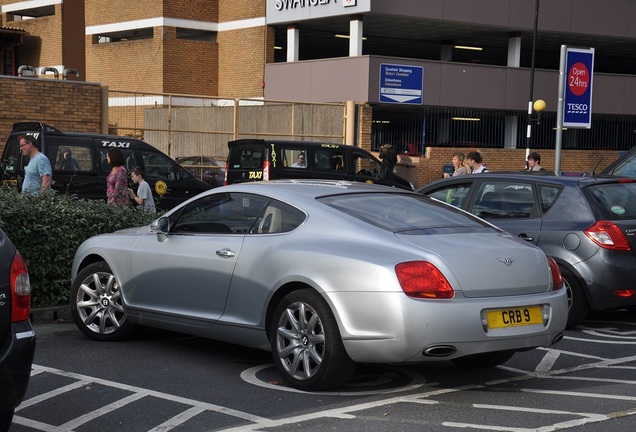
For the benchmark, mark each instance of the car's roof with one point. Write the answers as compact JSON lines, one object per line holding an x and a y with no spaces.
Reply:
{"x":307,"y":188}
{"x":542,"y":176}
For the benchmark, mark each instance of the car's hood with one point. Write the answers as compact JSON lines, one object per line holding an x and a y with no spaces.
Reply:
{"x":488,"y":264}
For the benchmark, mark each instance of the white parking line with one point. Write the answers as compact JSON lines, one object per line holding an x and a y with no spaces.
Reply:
{"x":137,"y":393}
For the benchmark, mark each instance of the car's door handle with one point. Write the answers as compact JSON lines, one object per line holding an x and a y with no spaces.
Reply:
{"x":225,"y":253}
{"x":526,"y":238}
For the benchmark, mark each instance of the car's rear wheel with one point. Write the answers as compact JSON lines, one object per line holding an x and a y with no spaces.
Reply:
{"x":5,"y":420}
{"x":96,"y":304}
{"x":306,"y":343}
{"x":484,"y":360}
{"x":578,"y":308}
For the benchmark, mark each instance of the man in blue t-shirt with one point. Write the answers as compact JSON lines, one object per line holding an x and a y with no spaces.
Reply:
{"x":38,"y":173}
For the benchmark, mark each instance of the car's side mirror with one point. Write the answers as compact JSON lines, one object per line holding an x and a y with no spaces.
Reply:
{"x":161,"y":227}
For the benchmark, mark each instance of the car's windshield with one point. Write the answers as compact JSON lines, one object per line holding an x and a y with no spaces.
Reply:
{"x":404,"y":212}
{"x":615,"y":201}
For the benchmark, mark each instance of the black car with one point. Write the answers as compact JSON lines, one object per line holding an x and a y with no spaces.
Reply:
{"x":17,"y":338}
{"x":209,"y":169}
{"x":587,"y":224}
{"x":256,"y":160}
{"x":86,"y":175}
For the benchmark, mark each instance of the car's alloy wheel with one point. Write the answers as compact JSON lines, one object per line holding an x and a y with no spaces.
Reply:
{"x":96,"y":304}
{"x":306,"y":344}
{"x":578,"y":309}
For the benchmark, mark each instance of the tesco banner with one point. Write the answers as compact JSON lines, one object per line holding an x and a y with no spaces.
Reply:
{"x":579,"y":71}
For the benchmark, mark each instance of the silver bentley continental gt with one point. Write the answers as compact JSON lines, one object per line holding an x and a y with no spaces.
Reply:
{"x":325,"y":274}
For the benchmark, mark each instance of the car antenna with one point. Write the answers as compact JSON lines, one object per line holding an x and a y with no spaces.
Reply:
{"x":596,"y":166}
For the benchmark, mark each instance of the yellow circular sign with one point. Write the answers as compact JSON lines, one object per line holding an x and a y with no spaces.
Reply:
{"x":161,"y":187}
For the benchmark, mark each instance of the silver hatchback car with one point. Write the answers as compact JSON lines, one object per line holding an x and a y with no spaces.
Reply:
{"x":325,"y":274}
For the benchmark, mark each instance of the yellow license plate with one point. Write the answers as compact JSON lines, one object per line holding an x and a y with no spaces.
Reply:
{"x":10,"y":183}
{"x":514,"y":317}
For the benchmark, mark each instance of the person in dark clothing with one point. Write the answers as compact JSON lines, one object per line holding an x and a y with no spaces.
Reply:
{"x":388,"y":155}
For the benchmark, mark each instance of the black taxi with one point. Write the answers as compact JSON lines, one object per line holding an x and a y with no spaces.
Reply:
{"x":86,"y":176}
{"x":258,"y":160}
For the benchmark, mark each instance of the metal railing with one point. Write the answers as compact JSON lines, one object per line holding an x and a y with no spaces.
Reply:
{"x":186,"y":125}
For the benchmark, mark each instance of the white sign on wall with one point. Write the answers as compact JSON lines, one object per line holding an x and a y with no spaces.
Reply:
{"x":288,"y":11}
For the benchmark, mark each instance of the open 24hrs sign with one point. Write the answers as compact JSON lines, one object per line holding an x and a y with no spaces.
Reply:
{"x":577,"y":109}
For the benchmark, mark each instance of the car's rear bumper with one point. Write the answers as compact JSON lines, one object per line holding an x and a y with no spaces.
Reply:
{"x":16,"y":358}
{"x":392,"y":328}
{"x":604,"y":274}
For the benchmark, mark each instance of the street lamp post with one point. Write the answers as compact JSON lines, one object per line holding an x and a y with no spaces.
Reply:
{"x":530,"y":103}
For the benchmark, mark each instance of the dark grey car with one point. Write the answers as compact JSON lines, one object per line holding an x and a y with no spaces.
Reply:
{"x":17,"y":338}
{"x":587,"y":224}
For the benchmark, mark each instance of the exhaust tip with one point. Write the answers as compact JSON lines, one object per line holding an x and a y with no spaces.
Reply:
{"x":557,"y":338}
{"x":440,"y":351}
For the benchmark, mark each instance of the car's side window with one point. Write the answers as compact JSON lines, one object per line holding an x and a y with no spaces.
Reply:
{"x":221,"y":213}
{"x":72,"y":157}
{"x":278,"y":217}
{"x":295,"y":157}
{"x":627,"y":168}
{"x":159,"y":166}
{"x":129,"y":159}
{"x":547,"y":196}
{"x":455,"y":194}
{"x":504,"y":200}
{"x":364,"y":166}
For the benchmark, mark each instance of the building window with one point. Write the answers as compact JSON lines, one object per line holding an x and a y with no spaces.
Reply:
{"x":124,"y":35}
{"x":197,"y":35}
{"x":30,"y":13}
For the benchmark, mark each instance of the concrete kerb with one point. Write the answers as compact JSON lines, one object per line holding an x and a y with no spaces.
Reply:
{"x":50,"y":314}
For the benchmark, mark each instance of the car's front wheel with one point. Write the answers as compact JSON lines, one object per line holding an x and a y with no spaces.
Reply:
{"x":306,"y":343}
{"x":96,"y":304}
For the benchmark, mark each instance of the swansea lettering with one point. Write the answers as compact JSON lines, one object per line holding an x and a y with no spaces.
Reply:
{"x":295,"y":4}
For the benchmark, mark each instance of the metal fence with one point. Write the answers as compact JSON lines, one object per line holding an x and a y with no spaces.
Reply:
{"x":188,"y":125}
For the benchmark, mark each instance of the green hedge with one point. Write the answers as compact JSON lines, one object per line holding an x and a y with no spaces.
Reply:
{"x":47,"y":230}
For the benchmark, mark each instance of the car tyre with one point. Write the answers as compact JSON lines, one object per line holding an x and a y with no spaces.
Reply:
{"x":5,"y":420}
{"x":578,"y":308}
{"x":96,"y":304}
{"x":484,"y":360}
{"x":306,"y":343}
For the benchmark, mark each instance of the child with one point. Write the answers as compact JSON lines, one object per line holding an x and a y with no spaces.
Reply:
{"x":143,"y":198}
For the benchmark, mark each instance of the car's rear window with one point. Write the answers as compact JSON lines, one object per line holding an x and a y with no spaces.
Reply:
{"x":614,"y":201}
{"x":404,"y":212}
{"x":247,"y":156}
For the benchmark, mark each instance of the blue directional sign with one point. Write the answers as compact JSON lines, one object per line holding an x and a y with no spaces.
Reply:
{"x":402,"y":84}
{"x":577,"y":108}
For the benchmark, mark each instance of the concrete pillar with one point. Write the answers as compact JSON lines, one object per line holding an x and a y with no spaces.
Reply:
{"x":293,"y":36}
{"x":355,"y":36}
{"x":510,"y":132}
{"x":514,"y":49}
{"x":446,"y":53}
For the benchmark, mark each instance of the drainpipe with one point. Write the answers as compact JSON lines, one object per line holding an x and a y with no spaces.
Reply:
{"x":46,"y":69}
{"x":22,"y":68}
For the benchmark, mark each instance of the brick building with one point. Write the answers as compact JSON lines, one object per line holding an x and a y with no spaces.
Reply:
{"x":477,"y":61}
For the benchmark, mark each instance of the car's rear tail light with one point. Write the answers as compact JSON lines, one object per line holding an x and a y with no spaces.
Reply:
{"x":266,"y":170}
{"x":421,"y":279}
{"x":625,"y":293}
{"x":227,"y":170}
{"x":607,"y":235}
{"x":557,"y":278}
{"x":20,"y":289}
